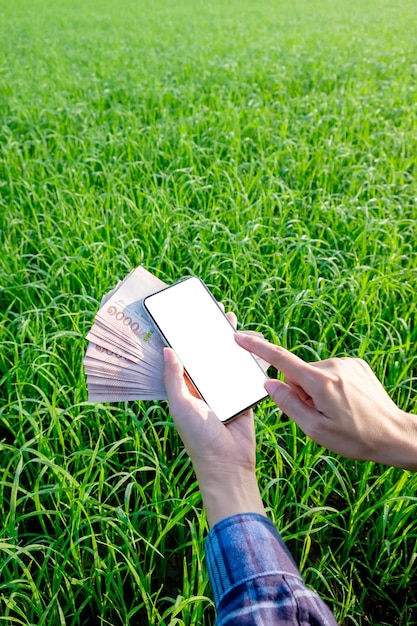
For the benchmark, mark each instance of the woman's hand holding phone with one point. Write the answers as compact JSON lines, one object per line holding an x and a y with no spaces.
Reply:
{"x":223,"y":455}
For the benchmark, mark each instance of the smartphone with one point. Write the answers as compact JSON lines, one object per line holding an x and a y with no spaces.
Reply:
{"x":227,"y":377}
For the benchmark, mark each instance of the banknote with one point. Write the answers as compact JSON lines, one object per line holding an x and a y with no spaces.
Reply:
{"x":124,"y":356}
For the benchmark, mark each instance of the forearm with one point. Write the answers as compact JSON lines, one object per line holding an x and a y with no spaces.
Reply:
{"x":228,"y":491}
{"x":254,"y":578}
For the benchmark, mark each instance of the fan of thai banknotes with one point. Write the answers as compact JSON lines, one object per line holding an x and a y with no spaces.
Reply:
{"x":124,"y":358}
{"x":124,"y":355}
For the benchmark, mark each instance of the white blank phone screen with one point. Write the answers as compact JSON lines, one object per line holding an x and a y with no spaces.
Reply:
{"x":227,"y":376}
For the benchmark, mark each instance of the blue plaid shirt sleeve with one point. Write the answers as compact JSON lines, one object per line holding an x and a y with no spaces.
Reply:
{"x":254,"y":578}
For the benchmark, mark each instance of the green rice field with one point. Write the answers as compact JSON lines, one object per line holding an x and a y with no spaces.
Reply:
{"x":270,"y":148}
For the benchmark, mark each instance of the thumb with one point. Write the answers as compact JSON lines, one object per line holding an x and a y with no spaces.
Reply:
{"x":173,"y":377}
{"x":181,"y":403}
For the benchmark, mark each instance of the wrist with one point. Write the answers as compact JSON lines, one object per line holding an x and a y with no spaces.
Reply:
{"x":401,"y":446}
{"x":228,"y":490}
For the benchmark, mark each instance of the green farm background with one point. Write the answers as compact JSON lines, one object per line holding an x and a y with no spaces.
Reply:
{"x":268,"y":147}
